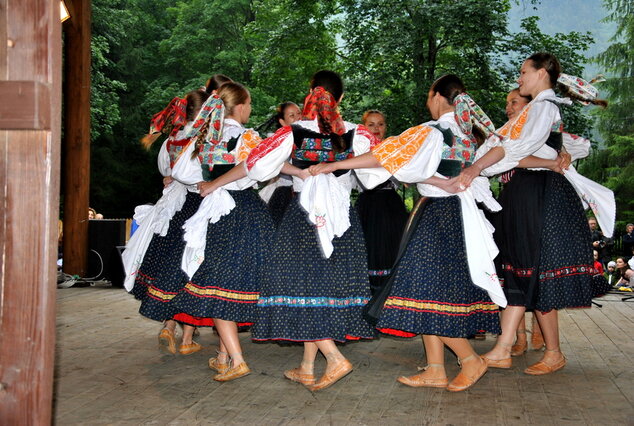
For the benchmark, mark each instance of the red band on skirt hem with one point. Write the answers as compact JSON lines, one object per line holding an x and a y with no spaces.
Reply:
{"x":200,"y":321}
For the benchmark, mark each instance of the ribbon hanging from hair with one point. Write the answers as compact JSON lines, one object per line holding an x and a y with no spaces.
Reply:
{"x":584,"y":90}
{"x":320,"y":102}
{"x":207,"y":128}
{"x":468,"y":114}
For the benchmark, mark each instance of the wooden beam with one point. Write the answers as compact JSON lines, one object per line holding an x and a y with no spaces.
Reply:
{"x":76,"y":146}
{"x":24,"y":105}
{"x":30,"y":58}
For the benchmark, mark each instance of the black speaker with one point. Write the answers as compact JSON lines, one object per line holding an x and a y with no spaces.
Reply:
{"x":105,"y":239}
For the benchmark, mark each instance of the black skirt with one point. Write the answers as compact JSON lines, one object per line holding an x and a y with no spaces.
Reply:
{"x":383,"y":217}
{"x":279,"y":202}
{"x":160,"y":276}
{"x":545,"y":259}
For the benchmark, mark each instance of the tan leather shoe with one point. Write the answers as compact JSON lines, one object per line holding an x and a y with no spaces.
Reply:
{"x":296,"y":375}
{"x":220,"y":367}
{"x":537,"y":341}
{"x":419,"y":381}
{"x":340,"y":370}
{"x":233,"y":373}
{"x":463,"y":382}
{"x":504,"y":363}
{"x":190,"y":348}
{"x":519,"y":349}
{"x":541,"y":368}
{"x":167,"y":341}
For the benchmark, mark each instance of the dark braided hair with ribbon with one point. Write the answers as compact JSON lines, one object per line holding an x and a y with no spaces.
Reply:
{"x":322,"y":102}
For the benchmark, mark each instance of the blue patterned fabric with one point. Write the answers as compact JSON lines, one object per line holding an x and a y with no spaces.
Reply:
{"x":227,"y":283}
{"x":306,"y":297}
{"x":432,"y":291}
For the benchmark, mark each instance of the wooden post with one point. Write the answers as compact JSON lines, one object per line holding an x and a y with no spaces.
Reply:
{"x":30,"y":89}
{"x":76,"y":145}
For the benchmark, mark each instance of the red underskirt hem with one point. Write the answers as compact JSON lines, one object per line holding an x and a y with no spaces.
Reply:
{"x":399,"y":333}
{"x":200,"y":321}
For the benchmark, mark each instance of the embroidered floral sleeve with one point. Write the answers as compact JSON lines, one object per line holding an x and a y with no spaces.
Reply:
{"x":266,"y":159}
{"x":576,"y":146}
{"x":411,"y":157}
{"x":249,"y":140}
{"x":396,"y":151}
{"x":524,"y":136}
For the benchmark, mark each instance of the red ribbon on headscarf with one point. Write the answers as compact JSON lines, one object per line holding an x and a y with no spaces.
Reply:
{"x":171,"y":119}
{"x":320,"y":102}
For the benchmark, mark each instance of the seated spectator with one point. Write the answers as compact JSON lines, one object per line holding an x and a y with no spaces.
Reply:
{"x":625,"y":273}
{"x":598,"y":267}
{"x":611,"y":275}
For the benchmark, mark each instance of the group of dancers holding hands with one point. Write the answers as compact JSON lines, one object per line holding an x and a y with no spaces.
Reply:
{"x":211,"y":253}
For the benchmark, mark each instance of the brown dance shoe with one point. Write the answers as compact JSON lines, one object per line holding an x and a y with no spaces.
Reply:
{"x":541,"y":368}
{"x":463,"y":382}
{"x":220,"y":367}
{"x":189,"y":349}
{"x":167,"y":341}
{"x":504,"y":363}
{"x":233,"y":373}
{"x":329,"y":378}
{"x":419,"y":381}
{"x":519,"y":348}
{"x":296,"y":375}
{"x":537,"y":341}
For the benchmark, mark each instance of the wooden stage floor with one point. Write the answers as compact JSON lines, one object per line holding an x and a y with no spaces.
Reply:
{"x":108,"y":370}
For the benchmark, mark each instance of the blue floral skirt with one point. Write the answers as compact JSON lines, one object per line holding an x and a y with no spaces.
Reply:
{"x":227,"y":283}
{"x":306,"y":297}
{"x":431,"y":287}
{"x":545,"y":259}
{"x":160,"y":276}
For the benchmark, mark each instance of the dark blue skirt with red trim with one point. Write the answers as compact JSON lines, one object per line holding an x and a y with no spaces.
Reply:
{"x":227,"y":283}
{"x":431,"y":288}
{"x":160,"y":276}
{"x":306,"y":297}
{"x":545,"y":259}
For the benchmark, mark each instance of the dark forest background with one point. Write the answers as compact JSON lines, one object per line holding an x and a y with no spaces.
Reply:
{"x":145,"y":52}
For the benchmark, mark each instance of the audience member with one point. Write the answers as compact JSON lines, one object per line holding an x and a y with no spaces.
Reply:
{"x":628,"y":240}
{"x":624,"y":273}
{"x":600,"y":243}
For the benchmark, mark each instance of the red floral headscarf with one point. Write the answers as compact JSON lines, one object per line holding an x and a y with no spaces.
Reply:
{"x":171,"y":119}
{"x":320,"y":102}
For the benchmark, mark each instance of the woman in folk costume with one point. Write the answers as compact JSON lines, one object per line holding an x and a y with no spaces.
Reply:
{"x":315,"y":282}
{"x":227,"y":238}
{"x":382,"y":214}
{"x":545,"y":257}
{"x":447,"y":235}
{"x":279,"y":192}
{"x":573,"y":148}
{"x":151,"y":258}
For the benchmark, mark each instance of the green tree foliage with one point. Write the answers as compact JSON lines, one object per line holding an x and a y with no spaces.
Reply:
{"x":145,"y":52}
{"x":394,"y":50}
{"x":614,"y":166}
